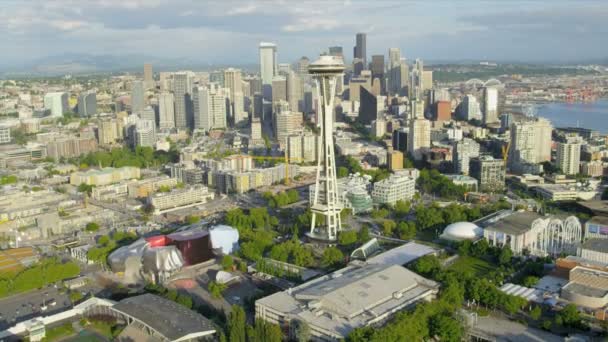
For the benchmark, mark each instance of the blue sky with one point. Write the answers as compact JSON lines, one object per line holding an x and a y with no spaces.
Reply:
{"x":229,"y":31}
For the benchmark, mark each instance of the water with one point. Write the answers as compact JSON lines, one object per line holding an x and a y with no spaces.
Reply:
{"x":593,"y":115}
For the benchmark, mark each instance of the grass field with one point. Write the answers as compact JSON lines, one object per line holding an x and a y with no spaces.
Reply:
{"x":469,"y":264}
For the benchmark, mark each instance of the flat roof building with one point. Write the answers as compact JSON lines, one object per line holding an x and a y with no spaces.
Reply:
{"x":356,"y":296}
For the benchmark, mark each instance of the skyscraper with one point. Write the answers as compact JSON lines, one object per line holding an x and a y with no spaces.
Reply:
{"x":145,"y":133}
{"x":279,"y":89}
{"x":137,"y":97}
{"x":464,"y":151}
{"x":325,"y":71}
{"x":182,"y":98}
{"x":57,"y":103}
{"x":530,"y":144}
{"x":419,"y":137}
{"x":490,"y":105}
{"x":232,"y":81}
{"x":148,"y":76}
{"x":303,"y":66}
{"x":360,"y":50}
{"x":166,"y":111}
{"x":377,"y":69}
{"x":568,"y":156}
{"x":489,"y":172}
{"x":87,"y":104}
{"x":294,"y":91}
{"x":209,"y":104}
{"x":394,"y":57}
{"x":268,"y":62}
{"x":469,"y":109}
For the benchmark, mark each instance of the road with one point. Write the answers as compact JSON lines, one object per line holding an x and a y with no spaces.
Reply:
{"x":27,"y":305}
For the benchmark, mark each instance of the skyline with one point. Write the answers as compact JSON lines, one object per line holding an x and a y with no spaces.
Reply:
{"x":229,"y":32}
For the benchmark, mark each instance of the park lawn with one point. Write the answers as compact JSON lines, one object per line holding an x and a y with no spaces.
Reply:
{"x":469,"y":264}
{"x":59,"y":332}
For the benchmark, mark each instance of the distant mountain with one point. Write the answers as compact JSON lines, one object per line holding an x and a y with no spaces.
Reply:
{"x":85,"y":63}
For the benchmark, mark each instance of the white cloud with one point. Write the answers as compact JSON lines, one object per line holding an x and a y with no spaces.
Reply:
{"x":311,"y":24}
{"x":240,"y":10}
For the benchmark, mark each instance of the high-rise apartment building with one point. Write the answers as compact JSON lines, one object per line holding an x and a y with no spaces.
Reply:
{"x":427,"y":80}
{"x":295,"y":92}
{"x":464,"y":151}
{"x":256,"y":131}
{"x":166,"y":111}
{"x":360,"y":49}
{"x":568,"y":155}
{"x":148,"y":76}
{"x":490,"y":105}
{"x":419,"y":137}
{"x":181,"y":84}
{"x":87,"y":104}
{"x":56,"y":103}
{"x":210,"y":107}
{"x":469,"y":109}
{"x":145,"y":133}
{"x":286,"y":123}
{"x":530,"y":142}
{"x":268,"y":62}
{"x":137,"y":97}
{"x":416,"y":109}
{"x":108,"y":132}
{"x":489,"y":172}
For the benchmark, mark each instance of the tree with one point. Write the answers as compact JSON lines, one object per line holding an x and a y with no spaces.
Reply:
{"x":536,"y":313}
{"x":92,"y":227}
{"x":236,"y":324}
{"x":447,"y":328}
{"x":427,"y":265}
{"x":569,"y":316}
{"x":530,"y":281}
{"x":342,"y":172}
{"x":332,"y":257}
{"x":407,"y":230}
{"x":300,"y":330}
{"x":216,"y":289}
{"x":266,"y":332}
{"x":388,"y":226}
{"x":193,"y":219}
{"x":505,"y":255}
{"x":227,"y":262}
{"x":402,"y":208}
{"x":347,"y":237}
{"x":363,"y":235}
{"x":83,"y":187}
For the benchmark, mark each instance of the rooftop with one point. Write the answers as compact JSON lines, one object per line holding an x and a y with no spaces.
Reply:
{"x":585,"y":290}
{"x":168,"y":318}
{"x":603,"y":220}
{"x":598,"y":207}
{"x":598,"y":245}
{"x":515,"y":224}
{"x":402,"y":255}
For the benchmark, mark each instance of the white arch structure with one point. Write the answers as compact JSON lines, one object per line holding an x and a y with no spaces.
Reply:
{"x":553,"y":236}
{"x":489,"y":83}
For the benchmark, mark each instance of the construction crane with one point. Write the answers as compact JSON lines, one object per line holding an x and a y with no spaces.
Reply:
{"x":284,"y":158}
{"x":505,"y":152}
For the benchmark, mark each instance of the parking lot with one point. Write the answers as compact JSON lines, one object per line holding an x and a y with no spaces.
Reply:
{"x":24,"y":306}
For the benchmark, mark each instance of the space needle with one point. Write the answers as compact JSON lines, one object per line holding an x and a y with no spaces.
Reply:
{"x":325,"y":72}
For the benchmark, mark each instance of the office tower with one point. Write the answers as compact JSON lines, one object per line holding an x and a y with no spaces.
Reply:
{"x":233,"y":82}
{"x":87,"y":104}
{"x":166,"y":111}
{"x":505,"y":121}
{"x":464,"y":151}
{"x":377,"y":66}
{"x":443,"y":111}
{"x":368,"y":109}
{"x":469,"y":109}
{"x":394,"y":57}
{"x":358,"y":66}
{"x":427,"y":80}
{"x":138,"y":101}
{"x":294,"y":91}
{"x":255,"y":85}
{"x":356,"y":83}
{"x":256,"y":131}
{"x":325,"y":71}
{"x":181,"y":83}
{"x":395,"y":160}
{"x":416,"y":109}
{"x":148,"y":114}
{"x":490,"y":105}
{"x":419,"y":137}
{"x":530,"y":142}
{"x":400,"y":139}
{"x":283,"y":69}
{"x":56,"y":103}
{"x":397,"y":71}
{"x":416,"y":82}
{"x":148,"y":76}
{"x":145,"y":133}
{"x":279,"y":89}
{"x":336,"y":51}
{"x":303,"y":66}
{"x":268,"y":62}
{"x":568,"y":155}
{"x":489,"y":172}
{"x":286,"y":123}
{"x":360,"y":50}
{"x":209,"y":107}
{"x":258,"y":106}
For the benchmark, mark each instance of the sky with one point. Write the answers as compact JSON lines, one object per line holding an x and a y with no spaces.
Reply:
{"x":225,"y":31}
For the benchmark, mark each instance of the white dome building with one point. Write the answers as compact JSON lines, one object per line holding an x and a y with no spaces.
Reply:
{"x":460,"y":231}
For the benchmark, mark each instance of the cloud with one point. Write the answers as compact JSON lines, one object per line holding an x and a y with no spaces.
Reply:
{"x":312,"y":24}
{"x":240,"y":10}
